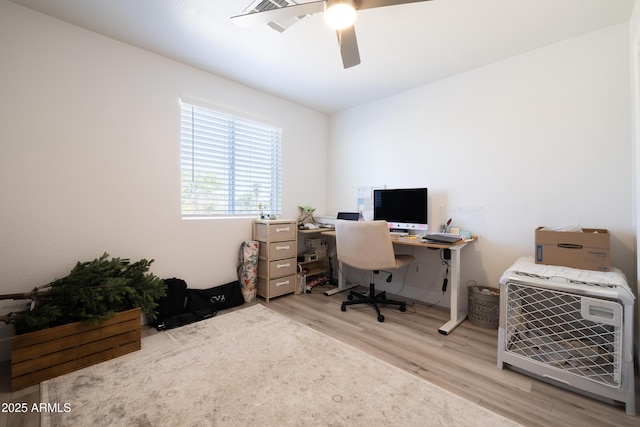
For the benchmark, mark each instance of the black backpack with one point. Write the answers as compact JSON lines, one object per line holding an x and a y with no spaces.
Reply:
{"x":175,"y":300}
{"x":172,"y":308}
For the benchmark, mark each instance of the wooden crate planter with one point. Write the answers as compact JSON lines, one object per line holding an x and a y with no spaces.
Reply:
{"x":42,"y":355}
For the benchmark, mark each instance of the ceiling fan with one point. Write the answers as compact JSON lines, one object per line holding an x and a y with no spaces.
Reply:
{"x":339,"y":15}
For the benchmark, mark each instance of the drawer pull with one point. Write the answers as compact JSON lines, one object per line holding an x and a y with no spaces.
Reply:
{"x":282,"y":283}
{"x":283,"y":265}
{"x":280,"y":248}
{"x":279,"y":230}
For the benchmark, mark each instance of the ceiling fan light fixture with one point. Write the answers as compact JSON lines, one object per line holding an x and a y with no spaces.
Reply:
{"x":340,"y":14}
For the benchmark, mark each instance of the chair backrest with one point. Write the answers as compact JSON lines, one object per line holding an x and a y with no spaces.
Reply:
{"x":365,"y":244}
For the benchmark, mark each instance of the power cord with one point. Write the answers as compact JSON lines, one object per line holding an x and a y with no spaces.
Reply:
{"x":445,"y":256}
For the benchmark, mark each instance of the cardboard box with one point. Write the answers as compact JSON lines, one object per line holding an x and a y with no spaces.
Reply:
{"x":589,"y":250}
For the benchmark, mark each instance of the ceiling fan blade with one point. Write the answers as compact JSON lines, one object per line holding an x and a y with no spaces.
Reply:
{"x":370,"y":4}
{"x":257,"y":18}
{"x":348,"y":47}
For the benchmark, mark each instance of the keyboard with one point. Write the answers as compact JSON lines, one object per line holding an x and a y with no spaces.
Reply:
{"x":442,"y":238}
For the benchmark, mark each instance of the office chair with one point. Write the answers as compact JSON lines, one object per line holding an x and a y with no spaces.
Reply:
{"x":367,"y":245}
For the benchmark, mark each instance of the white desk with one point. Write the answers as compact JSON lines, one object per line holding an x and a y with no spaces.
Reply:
{"x":459,"y":294}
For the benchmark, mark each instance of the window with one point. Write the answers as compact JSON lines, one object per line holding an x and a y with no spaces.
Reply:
{"x":230,"y":166}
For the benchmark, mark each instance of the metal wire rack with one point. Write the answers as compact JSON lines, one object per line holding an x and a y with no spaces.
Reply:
{"x":577,"y":334}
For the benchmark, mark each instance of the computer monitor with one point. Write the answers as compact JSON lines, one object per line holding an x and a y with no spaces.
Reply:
{"x":405,"y":209}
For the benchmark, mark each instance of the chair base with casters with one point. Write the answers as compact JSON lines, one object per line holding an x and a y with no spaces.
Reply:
{"x":373,"y":299}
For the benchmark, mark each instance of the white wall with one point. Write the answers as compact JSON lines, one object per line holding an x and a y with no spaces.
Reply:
{"x":540,"y":139}
{"x":89,"y":159}
{"x":634,"y":53}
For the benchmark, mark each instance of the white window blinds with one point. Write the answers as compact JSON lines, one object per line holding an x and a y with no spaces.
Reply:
{"x":230,"y":166}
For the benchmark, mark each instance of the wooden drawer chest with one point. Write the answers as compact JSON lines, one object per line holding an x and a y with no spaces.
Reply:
{"x":277,"y":261}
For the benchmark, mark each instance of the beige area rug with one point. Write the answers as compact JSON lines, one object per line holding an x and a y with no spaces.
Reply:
{"x":253,"y":367}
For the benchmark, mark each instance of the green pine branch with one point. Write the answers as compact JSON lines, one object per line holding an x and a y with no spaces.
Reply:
{"x":93,"y":292}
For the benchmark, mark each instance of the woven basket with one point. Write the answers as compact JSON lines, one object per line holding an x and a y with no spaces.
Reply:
{"x":484,"y":310}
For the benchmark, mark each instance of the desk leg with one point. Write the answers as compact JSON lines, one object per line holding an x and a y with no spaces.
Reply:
{"x":459,"y":295}
{"x":342,"y":285}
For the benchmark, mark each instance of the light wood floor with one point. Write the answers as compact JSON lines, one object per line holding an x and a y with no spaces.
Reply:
{"x":463,"y":362}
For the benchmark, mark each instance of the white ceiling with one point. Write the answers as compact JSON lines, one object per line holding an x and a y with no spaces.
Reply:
{"x":401,"y":47}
